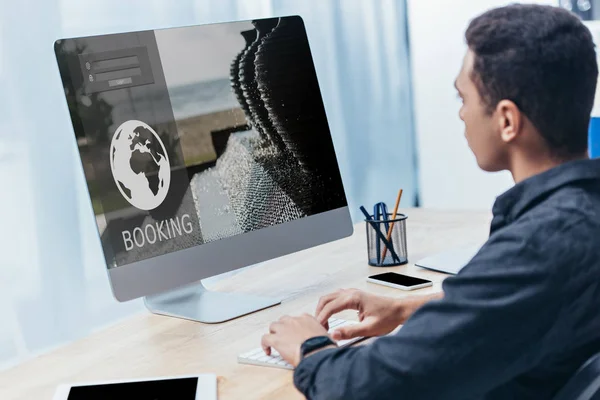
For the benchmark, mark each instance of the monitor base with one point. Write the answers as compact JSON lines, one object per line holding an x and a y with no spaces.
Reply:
{"x":196,"y":303}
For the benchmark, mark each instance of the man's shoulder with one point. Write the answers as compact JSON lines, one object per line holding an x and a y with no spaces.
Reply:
{"x":568,"y":211}
{"x":557,"y":235}
{"x":582,"y":197}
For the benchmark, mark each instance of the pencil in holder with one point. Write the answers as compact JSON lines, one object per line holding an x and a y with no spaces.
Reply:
{"x":386,"y":241}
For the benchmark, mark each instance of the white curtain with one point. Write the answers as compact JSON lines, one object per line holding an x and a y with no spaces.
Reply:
{"x":53,"y":283}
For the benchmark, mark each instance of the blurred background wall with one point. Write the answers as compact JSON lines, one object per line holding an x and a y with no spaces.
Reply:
{"x":448,"y":174}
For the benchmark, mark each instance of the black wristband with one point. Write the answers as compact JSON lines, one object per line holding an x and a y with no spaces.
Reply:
{"x":315,"y":343}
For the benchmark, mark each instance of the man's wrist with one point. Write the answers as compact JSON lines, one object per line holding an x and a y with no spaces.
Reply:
{"x":404,"y":308}
{"x":331,"y":346}
{"x":408,"y":305}
{"x":314,"y":344}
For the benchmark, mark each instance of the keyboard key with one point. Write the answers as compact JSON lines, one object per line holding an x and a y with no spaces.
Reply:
{"x":256,"y":352}
{"x":258,"y":357}
{"x":248,"y":354}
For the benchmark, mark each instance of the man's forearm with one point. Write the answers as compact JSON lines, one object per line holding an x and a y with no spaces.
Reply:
{"x":407,"y":306}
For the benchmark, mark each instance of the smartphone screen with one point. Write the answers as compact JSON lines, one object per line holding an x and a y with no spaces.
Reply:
{"x":180,"y":388}
{"x":397,"y":279}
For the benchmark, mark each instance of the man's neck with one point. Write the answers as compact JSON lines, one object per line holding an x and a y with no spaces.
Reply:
{"x":525,"y":167}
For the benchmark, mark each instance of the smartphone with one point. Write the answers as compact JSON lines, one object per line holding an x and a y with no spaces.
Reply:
{"x":399,"y":281}
{"x":182,"y":387}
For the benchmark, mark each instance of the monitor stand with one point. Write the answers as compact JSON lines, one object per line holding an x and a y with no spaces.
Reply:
{"x":196,"y":303}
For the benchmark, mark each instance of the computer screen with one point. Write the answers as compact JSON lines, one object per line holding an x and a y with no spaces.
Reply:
{"x":197,"y":134}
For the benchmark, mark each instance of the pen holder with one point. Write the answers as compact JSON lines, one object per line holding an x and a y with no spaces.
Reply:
{"x":384,"y":233}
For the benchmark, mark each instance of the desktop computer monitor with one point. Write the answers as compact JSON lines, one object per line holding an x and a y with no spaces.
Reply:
{"x":205,"y":149}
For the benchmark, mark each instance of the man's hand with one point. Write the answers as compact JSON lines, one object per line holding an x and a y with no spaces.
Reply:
{"x":287,"y":335}
{"x":378,"y":315}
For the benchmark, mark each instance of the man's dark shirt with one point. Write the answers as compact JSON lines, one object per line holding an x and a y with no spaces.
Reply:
{"x":516,"y":323}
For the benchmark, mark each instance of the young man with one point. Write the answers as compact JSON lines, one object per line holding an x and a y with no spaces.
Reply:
{"x":524,"y":314}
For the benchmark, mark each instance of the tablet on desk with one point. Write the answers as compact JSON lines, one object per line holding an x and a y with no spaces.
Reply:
{"x":198,"y":387}
{"x":449,"y":262}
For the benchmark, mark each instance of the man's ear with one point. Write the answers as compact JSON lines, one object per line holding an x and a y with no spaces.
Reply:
{"x":509,"y":119}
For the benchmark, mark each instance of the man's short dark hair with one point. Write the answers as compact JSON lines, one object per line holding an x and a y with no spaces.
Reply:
{"x":543,"y":59}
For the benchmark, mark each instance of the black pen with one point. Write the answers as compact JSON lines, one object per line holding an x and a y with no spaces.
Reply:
{"x":381,"y":235}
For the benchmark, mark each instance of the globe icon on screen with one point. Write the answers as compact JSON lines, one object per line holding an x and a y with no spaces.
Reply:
{"x":140,"y":165}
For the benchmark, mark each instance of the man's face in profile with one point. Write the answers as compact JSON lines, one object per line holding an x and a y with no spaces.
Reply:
{"x":481,"y":128}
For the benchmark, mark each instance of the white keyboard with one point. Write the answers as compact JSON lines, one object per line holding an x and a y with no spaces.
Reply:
{"x":258,"y":356}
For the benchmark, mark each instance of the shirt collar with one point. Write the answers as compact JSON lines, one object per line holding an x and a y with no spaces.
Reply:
{"x":517,"y":199}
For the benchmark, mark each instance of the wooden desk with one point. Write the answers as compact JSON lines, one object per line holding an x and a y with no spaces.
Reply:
{"x":149,"y":345}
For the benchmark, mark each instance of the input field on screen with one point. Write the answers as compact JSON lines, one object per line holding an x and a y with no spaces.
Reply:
{"x":116,"y":62}
{"x":123,"y":73}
